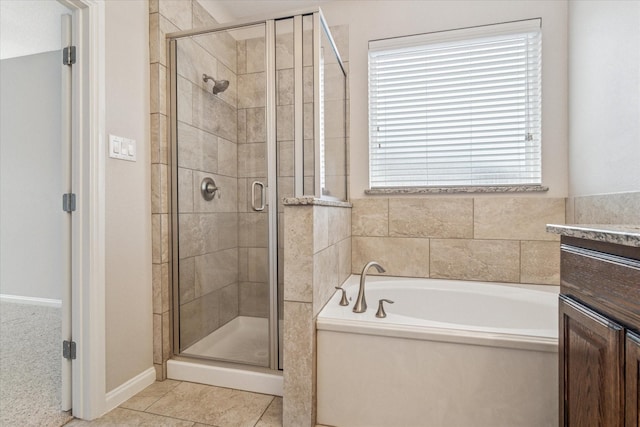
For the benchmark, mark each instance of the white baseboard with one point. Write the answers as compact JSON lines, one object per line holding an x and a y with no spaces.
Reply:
{"x":31,"y":300}
{"x":257,"y":382}
{"x":125,"y":391}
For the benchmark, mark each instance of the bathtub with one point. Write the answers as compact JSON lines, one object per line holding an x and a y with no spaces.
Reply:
{"x":449,"y":353}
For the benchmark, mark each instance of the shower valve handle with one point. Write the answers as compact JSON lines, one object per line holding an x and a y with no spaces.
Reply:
{"x":209,"y":189}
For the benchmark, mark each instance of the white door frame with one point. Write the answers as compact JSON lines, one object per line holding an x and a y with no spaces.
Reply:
{"x":88,"y":224}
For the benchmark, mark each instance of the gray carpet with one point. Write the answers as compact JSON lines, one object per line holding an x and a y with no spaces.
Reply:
{"x":30,"y":366}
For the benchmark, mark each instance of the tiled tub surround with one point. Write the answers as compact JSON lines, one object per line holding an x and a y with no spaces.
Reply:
{"x":612,"y":208}
{"x":317,"y":255}
{"x":494,"y":239}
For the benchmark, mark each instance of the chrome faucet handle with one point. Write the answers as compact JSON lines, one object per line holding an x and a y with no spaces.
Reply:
{"x":343,"y":300}
{"x":381,"y":313}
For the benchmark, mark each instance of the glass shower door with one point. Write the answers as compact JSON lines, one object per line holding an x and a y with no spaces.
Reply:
{"x":220,"y":219}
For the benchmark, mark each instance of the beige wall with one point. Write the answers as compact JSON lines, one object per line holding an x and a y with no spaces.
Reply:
{"x":128,"y":198}
{"x":486,"y":239}
{"x":604,"y":97}
{"x":369,"y":20}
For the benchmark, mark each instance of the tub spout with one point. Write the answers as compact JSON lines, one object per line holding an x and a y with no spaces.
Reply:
{"x":361,"y":303}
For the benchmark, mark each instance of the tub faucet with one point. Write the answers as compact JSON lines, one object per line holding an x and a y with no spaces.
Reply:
{"x":361,"y":303}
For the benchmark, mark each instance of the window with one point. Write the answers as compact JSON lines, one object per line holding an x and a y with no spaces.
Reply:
{"x":456,"y":108}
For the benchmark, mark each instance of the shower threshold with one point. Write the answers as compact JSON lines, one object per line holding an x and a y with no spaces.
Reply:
{"x":242,"y":340}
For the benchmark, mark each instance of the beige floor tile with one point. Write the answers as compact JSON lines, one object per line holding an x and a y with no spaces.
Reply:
{"x":150,"y":395}
{"x":212,"y":405}
{"x":122,"y":417}
{"x":273,"y":415}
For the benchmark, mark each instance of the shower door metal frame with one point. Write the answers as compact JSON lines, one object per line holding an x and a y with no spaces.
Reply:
{"x":272,"y":196}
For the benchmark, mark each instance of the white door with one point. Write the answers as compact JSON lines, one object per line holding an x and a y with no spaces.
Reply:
{"x":65,"y":244}
{"x":35,"y":166}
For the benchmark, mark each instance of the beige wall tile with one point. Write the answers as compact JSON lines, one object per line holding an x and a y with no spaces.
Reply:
{"x":616,"y":208}
{"x":339,"y":224}
{"x":285,"y":158}
{"x":158,"y":50}
{"x":370,"y":217}
{"x":254,"y":299}
{"x":431,"y":217}
{"x":156,"y":287}
{"x":255,"y":125}
{"x":241,"y":56}
{"x":228,"y":303}
{"x":216,"y":270}
{"x":207,"y":106}
{"x":540,"y":262}
{"x":185,"y":100}
{"x":227,"y":158}
{"x":252,"y":230}
{"x":191,"y":151}
{"x":179,"y":12}
{"x":325,"y":276}
{"x":258,"y":265}
{"x":185,"y":190}
{"x":242,"y":125}
{"x":298,"y":253}
{"x":255,"y":55}
{"x":340,"y":34}
{"x":252,"y":160}
{"x":299,"y":365}
{"x":190,"y":323}
{"x":164,"y":237}
{"x":399,"y":256}
{"x":344,"y":260}
{"x":486,"y":260}
{"x":251,"y":90}
{"x":156,"y":239}
{"x":569,"y":210}
{"x":517,"y":218}
{"x":187,"y":281}
{"x":285,"y":88}
{"x":158,"y":91}
{"x":284,"y":123}
{"x":166,"y":336}
{"x":157,"y":344}
{"x":227,"y":224}
{"x":210,"y":312}
{"x":320,"y":228}
{"x":158,"y":127}
{"x":159,"y":189}
{"x":201,"y":18}
{"x":284,"y":45}
{"x":230,"y":95}
{"x":222,"y":45}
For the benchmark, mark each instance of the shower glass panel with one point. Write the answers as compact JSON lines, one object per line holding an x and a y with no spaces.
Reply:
{"x":333,"y":136}
{"x":221,"y":260}
{"x":254,"y":108}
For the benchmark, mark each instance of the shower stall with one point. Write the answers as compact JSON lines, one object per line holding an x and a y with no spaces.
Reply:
{"x":257,"y":114}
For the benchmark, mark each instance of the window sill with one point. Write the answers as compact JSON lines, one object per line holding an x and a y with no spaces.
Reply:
{"x":457,"y":189}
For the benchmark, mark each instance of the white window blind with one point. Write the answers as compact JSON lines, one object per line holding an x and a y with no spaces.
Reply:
{"x":454,"y":108}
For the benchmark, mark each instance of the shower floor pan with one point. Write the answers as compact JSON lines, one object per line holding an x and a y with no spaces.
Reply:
{"x":242,"y":340}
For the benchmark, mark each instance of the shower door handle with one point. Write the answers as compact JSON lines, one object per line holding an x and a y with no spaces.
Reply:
{"x":253,"y":196}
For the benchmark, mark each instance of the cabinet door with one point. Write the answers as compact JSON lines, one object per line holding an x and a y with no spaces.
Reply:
{"x":632,"y":380}
{"x":591,"y":367}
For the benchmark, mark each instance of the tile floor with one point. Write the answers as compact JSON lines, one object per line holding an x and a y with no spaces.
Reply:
{"x":175,"y":403}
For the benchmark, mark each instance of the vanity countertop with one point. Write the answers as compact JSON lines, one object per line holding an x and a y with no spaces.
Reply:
{"x":621,"y":234}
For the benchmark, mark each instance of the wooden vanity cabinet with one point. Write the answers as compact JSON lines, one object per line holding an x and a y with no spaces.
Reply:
{"x":599,"y":344}
{"x":632,"y":380}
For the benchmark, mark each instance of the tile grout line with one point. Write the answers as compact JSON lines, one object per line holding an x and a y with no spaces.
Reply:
{"x":273,"y":398}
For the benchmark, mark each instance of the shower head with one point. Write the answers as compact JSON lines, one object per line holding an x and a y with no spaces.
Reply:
{"x":218,"y":85}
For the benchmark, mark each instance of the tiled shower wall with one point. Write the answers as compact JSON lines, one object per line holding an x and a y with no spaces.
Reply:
{"x":500,"y":239}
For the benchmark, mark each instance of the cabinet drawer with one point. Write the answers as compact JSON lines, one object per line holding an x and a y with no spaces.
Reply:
{"x":608,"y":283}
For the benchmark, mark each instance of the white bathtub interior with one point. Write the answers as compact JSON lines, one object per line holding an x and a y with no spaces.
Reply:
{"x":487,"y":358}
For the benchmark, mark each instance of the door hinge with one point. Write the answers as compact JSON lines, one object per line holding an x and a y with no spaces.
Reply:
{"x":69,"y":350}
{"x":69,"y":202}
{"x":69,"y":55}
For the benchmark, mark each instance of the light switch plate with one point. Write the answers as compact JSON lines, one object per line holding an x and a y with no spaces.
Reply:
{"x":122,"y":148}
